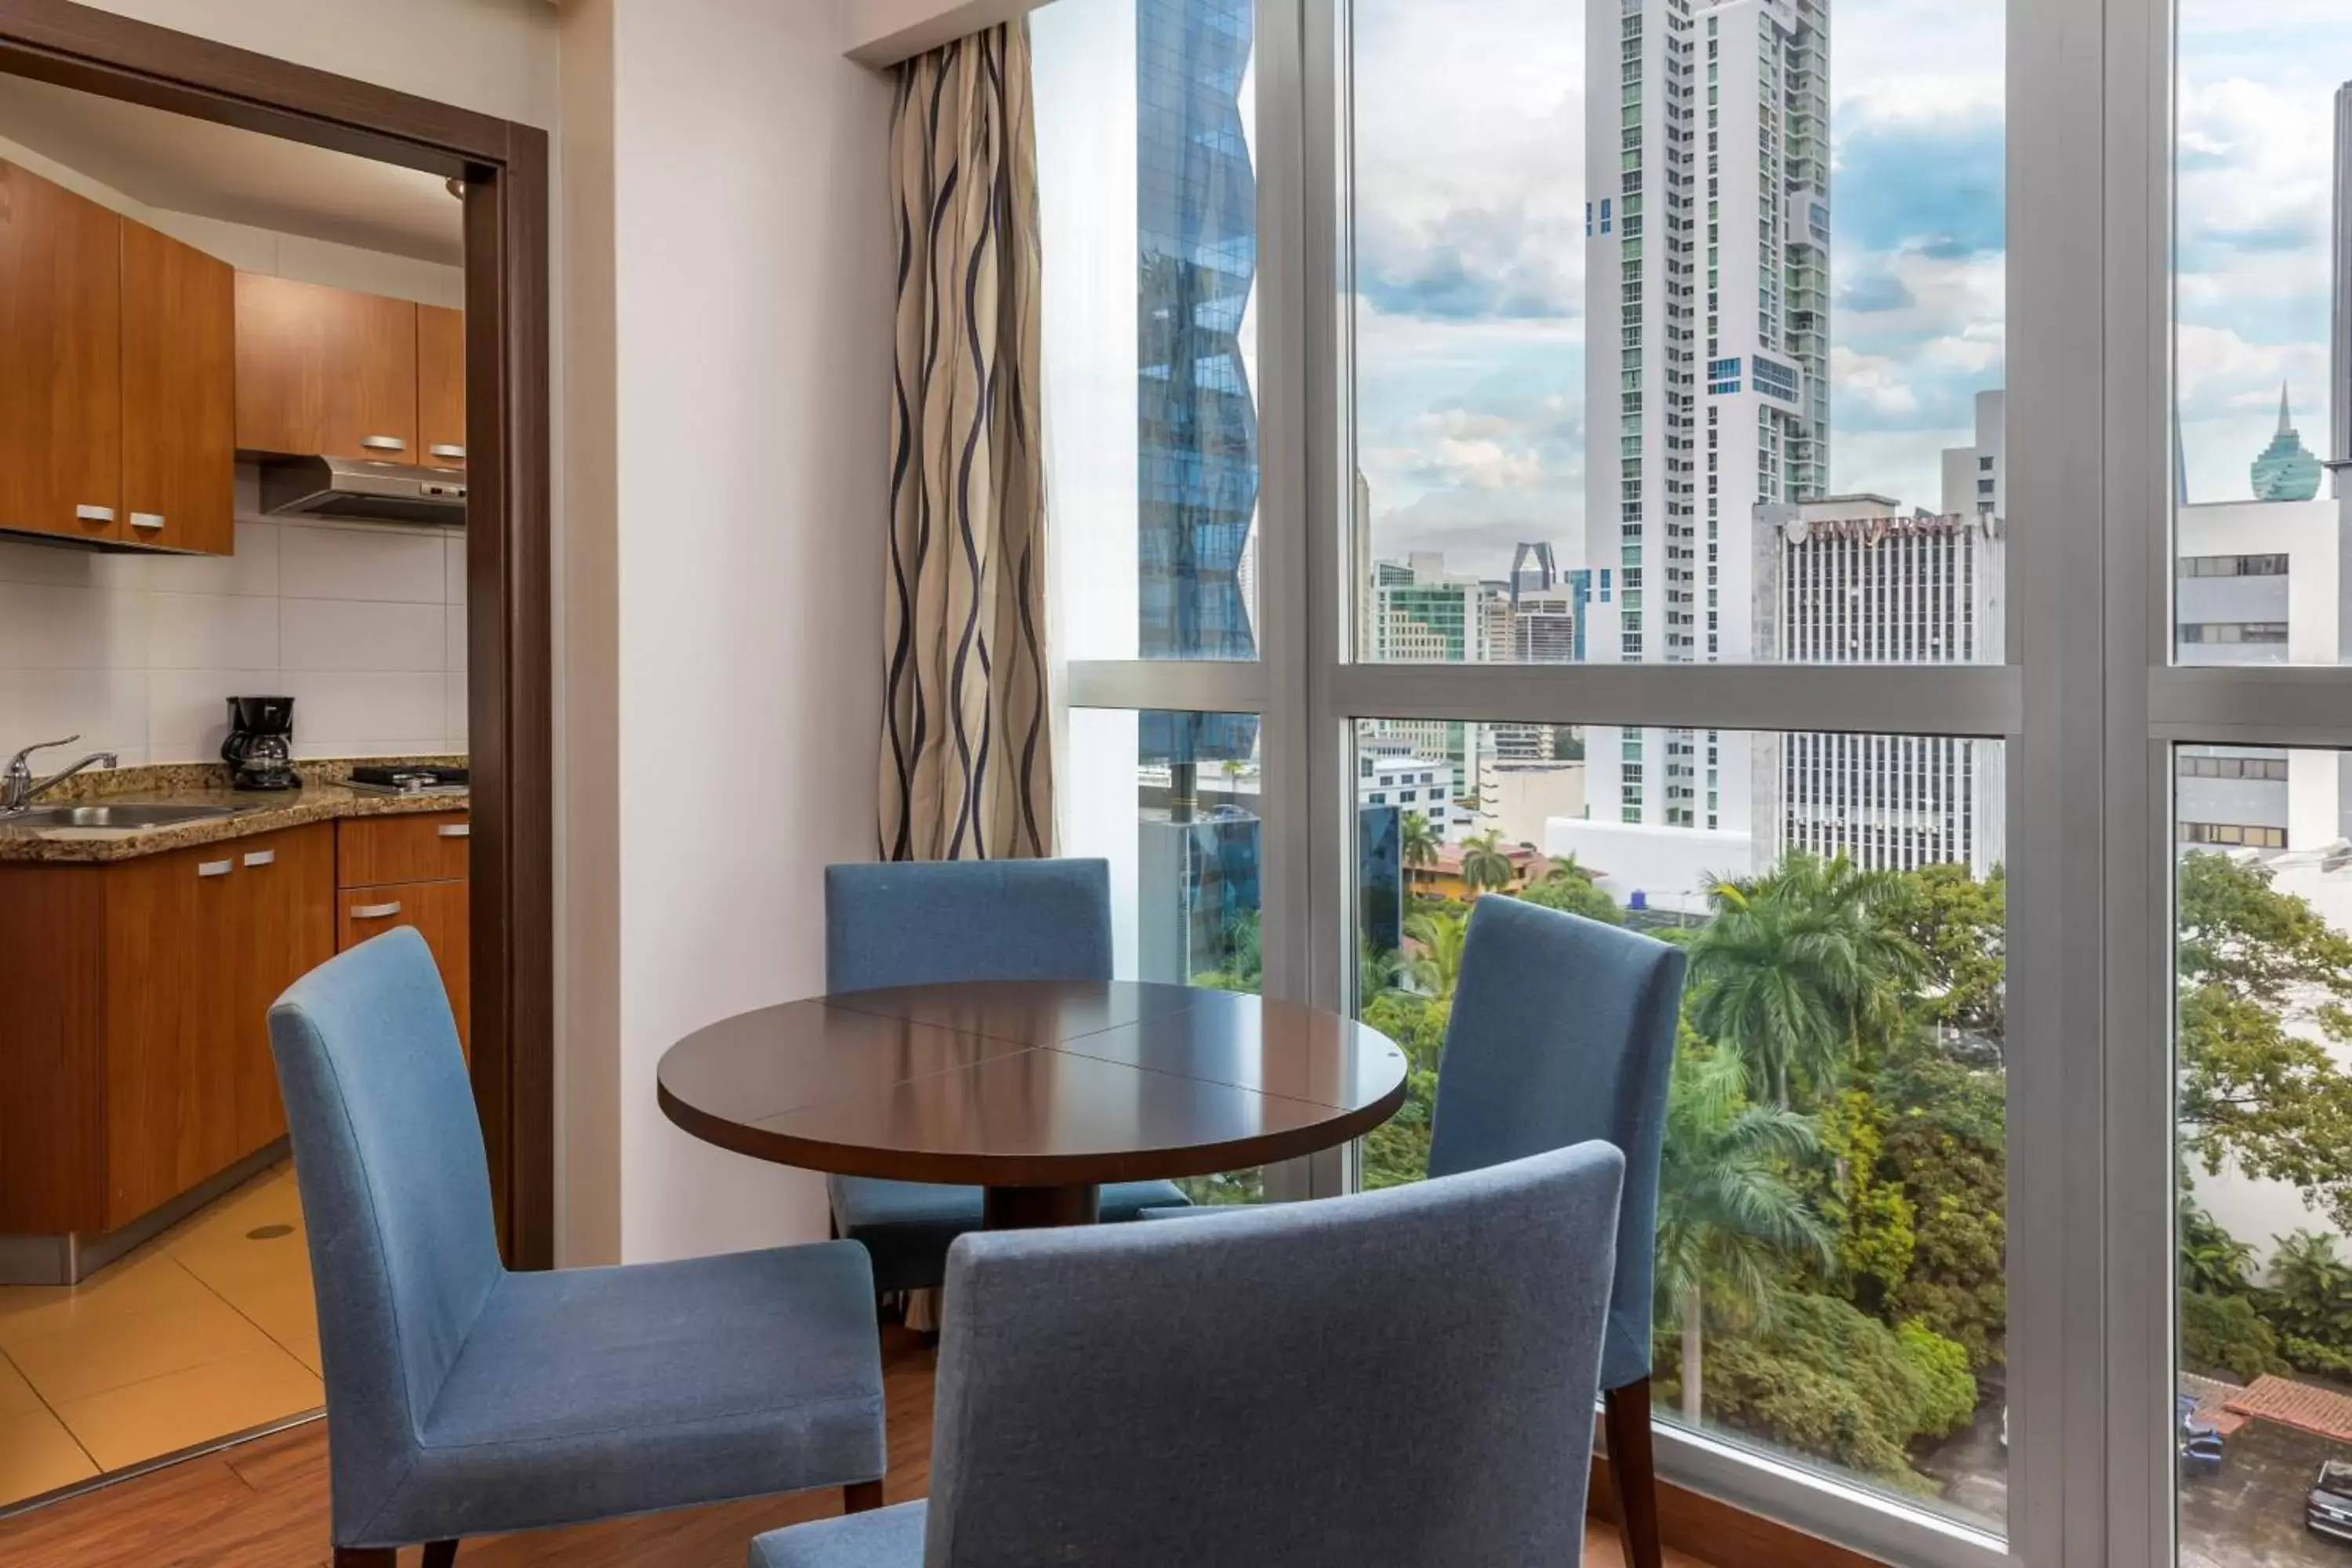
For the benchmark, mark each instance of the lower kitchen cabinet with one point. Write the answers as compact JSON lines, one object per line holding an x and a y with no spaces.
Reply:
{"x":143,"y":1065}
{"x":438,"y":910}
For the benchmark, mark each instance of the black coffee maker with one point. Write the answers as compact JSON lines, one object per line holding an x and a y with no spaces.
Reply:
{"x":259,"y":750}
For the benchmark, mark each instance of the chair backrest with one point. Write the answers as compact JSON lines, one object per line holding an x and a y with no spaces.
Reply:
{"x":1563,"y":1031}
{"x":395,"y":1196}
{"x":1404,"y":1376}
{"x":934,"y":922}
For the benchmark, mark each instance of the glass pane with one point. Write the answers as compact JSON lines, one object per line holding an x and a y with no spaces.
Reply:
{"x":2264,"y":898}
{"x":1147,"y":207}
{"x":1678,"y":332}
{"x":1833,"y":1232}
{"x":2257,"y":416}
{"x":1184,"y":840}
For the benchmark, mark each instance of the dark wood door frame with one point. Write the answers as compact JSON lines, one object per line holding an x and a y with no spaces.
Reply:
{"x":507,"y":570}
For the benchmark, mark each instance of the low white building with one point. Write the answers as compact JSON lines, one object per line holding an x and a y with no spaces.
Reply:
{"x":1415,"y":783}
{"x":1519,"y":799}
{"x":1652,"y":866}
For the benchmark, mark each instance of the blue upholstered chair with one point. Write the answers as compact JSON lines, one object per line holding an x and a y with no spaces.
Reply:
{"x":464,"y":1400}
{"x":930,"y":924}
{"x":1402,"y":1377}
{"x":1563,"y":1031}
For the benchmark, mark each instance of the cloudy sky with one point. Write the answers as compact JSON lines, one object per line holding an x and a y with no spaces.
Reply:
{"x":1470,"y":203}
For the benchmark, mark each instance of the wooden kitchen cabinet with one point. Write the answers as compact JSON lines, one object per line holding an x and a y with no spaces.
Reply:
{"x":412,"y":870}
{"x":143,"y":1066}
{"x":325,"y":371}
{"x":60,"y":360}
{"x":441,"y":385}
{"x":179,"y":395}
{"x":440,"y":913}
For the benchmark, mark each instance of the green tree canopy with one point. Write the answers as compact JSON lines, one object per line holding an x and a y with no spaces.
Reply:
{"x":1796,"y":967}
{"x":2265,"y":983}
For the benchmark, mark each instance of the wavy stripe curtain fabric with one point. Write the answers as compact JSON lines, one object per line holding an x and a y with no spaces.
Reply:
{"x":967,"y":765}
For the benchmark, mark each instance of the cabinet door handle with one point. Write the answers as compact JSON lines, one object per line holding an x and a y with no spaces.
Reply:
{"x":384,"y":443}
{"x":445,"y":450}
{"x":215,"y":867}
{"x":94,"y":514}
{"x":262,"y":857}
{"x":374,"y":912}
{"x":149,"y":519}
{"x":456,"y":830}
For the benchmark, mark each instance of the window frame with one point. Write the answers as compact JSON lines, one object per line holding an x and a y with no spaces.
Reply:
{"x":2088,"y":707}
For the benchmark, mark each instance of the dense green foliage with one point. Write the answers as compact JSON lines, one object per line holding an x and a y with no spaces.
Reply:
{"x":1825,"y":1379}
{"x":2261,"y":973}
{"x":1832,"y":1223}
{"x":2223,"y":1336}
{"x":1830,"y":1226}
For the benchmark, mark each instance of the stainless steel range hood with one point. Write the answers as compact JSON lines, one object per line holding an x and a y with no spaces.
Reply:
{"x":361,"y":489}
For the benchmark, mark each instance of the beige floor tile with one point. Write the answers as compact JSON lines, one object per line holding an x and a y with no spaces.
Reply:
{"x":145,"y":1282}
{"x":266,"y":1201}
{"x":262,"y":1257}
{"x":16,"y":1395}
{"x":38,"y":1455}
{"x":283,"y":1308}
{"x":125,"y":1425}
{"x":77,"y":1361}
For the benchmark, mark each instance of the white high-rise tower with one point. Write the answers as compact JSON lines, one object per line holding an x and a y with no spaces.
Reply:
{"x":1706,"y":385}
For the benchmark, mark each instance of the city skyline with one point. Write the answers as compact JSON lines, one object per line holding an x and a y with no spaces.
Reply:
{"x":1471,"y":256}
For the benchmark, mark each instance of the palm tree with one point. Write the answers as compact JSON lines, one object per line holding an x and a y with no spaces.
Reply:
{"x":2212,"y":1261}
{"x":1485,"y":866}
{"x":1435,"y":966}
{"x":1567,"y":869}
{"x":1727,"y":1217}
{"x":1797,"y":968}
{"x":2313,"y":1285}
{"x":1420,"y":844}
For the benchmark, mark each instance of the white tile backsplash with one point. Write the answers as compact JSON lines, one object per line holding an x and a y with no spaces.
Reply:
{"x":363,"y":625}
{"x":356,"y":634}
{"x":211,"y":631}
{"x":363,"y":562}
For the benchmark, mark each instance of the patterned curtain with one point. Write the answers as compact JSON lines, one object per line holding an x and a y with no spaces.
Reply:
{"x":967,"y":763}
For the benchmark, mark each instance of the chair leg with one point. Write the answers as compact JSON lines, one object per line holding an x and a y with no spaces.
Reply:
{"x":861,"y":1496}
{"x":1630,"y":1464}
{"x":440,"y":1554}
{"x":367,"y":1557}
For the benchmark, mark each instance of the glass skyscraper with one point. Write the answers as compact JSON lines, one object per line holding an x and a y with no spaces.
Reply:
{"x":1196,"y":195}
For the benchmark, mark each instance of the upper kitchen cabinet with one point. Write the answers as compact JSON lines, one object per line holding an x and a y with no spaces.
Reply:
{"x":441,"y":385}
{"x":325,"y":371}
{"x":179,"y":395}
{"x":60,"y":360}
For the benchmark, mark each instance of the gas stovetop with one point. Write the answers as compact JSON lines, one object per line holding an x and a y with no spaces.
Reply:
{"x":408,"y":778}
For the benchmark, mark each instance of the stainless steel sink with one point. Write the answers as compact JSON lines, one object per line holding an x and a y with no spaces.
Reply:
{"x":117,"y":816}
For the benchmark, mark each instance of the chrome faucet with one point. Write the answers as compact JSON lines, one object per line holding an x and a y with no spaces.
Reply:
{"x":19,"y":789}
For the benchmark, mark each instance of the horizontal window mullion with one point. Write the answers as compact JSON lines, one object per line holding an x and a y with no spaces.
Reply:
{"x":1825,"y":1505}
{"x":2252,"y":705}
{"x":1203,"y":686}
{"x":1906,"y":699}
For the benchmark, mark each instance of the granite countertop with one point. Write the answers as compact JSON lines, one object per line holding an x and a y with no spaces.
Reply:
{"x":324,"y":797}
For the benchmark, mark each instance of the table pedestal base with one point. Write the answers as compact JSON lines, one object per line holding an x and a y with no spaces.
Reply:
{"x":1039,"y":1208}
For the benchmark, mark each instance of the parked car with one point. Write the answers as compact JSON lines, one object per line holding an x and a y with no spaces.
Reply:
{"x":2199,"y":1441}
{"x":2328,"y":1507}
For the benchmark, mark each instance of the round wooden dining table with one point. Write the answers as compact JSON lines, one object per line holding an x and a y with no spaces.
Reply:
{"x":1039,"y":1092}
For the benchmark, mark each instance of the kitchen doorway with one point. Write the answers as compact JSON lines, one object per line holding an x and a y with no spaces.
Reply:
{"x":375,"y":266}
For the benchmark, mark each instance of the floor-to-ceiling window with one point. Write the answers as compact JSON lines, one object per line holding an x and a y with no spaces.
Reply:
{"x":2252,"y":799}
{"x":1785,"y":475}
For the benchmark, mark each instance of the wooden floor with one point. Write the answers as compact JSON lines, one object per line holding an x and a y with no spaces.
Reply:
{"x":264,"y":1505}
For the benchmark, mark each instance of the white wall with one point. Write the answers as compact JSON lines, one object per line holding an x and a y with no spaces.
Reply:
{"x":754,"y":281}
{"x":363,"y":625}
